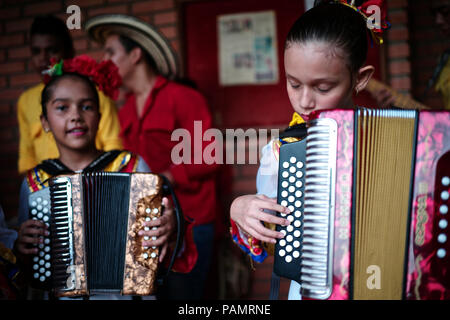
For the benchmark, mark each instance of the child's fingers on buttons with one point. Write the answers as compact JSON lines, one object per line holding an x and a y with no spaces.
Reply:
{"x":274,"y":219}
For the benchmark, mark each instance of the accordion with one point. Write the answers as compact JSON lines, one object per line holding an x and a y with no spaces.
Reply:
{"x":93,"y":244}
{"x":368,"y":192}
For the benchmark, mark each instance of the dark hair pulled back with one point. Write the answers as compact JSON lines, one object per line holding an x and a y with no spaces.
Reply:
{"x":336,"y":24}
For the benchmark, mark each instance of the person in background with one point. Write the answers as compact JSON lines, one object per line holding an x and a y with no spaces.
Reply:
{"x":50,"y":38}
{"x":440,"y":79}
{"x":156,"y":106}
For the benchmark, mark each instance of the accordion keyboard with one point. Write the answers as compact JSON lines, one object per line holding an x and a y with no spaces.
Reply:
{"x":306,"y":183}
{"x":318,"y":230}
{"x":291,"y":185}
{"x":62,"y":234}
{"x":39,"y":209}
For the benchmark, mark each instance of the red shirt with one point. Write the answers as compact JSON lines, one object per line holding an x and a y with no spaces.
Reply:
{"x":171,"y":106}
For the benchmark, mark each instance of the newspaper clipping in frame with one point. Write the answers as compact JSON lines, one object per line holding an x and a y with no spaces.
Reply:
{"x":247,"y":48}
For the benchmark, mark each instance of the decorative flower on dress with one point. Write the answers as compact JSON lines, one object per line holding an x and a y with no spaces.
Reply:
{"x":104,"y":74}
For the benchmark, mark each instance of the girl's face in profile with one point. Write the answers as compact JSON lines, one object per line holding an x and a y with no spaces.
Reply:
{"x":72,"y":115}
{"x":317,"y":78}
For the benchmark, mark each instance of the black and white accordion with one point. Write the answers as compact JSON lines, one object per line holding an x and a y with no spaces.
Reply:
{"x":93,"y":244}
{"x":369,"y":194}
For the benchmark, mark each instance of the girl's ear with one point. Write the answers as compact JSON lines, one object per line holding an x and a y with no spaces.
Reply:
{"x":45,"y":124}
{"x":363,"y":77}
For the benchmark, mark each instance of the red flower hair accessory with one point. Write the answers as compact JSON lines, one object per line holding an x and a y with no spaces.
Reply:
{"x":367,"y":10}
{"x":104,"y":74}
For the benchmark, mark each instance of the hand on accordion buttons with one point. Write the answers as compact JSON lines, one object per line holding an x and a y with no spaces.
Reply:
{"x":31,"y":234}
{"x":160,"y":230}
{"x":247,"y":212}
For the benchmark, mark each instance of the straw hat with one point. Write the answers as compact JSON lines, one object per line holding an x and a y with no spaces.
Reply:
{"x":156,"y":45}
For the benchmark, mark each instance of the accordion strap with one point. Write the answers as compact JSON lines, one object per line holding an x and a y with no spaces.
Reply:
{"x":168,"y":190}
{"x":56,"y":167}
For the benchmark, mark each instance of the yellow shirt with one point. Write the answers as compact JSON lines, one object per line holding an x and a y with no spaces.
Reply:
{"x":443,"y":85}
{"x":36,"y":145}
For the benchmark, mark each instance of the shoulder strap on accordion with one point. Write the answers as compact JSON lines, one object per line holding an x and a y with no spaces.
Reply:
{"x":55,"y":167}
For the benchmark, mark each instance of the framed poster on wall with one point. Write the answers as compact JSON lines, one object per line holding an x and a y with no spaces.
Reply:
{"x":247,"y":48}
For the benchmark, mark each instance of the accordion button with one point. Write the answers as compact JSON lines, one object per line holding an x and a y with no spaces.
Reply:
{"x":45,"y":218}
{"x":291,"y":218}
{"x":47,"y":257}
{"x":284,"y":184}
{"x":47,"y":265}
{"x":441,"y":253}
{"x":282,"y":242}
{"x":34,"y":204}
{"x":442,"y":238}
{"x":146,"y":228}
{"x":299,"y":174}
{"x":45,"y":202}
{"x":299,"y":164}
{"x":284,"y":194}
{"x":288,"y":259}
{"x":35,"y":266}
{"x":145,"y":255}
{"x":284,"y":203}
{"x":298,"y":214}
{"x":40,"y":215}
{"x":291,"y":189}
{"x":443,"y":209}
{"x":285,"y":174}
{"x":298,"y":203}
{"x":39,"y":199}
{"x":154,"y":238}
{"x":291,"y":209}
{"x":153,"y":255}
{"x":289,"y":238}
{"x":45,"y":210}
{"x":296,"y":254}
{"x":285,"y":164}
{"x":291,"y":179}
{"x":290,"y":228}
{"x":288,"y":248}
{"x":35,"y":259}
{"x":293,"y":159}
{"x":148,"y":210}
{"x":36,"y":275}
{"x":297,"y":223}
{"x":296,"y":244}
{"x":146,"y":238}
{"x":282,"y":253}
{"x":39,"y":207}
{"x":48,"y":273}
{"x":155,"y":210}
{"x":445,"y":181}
{"x":298,"y":193}
{"x":292,"y":169}
{"x":33,"y":211}
{"x":299,"y":184}
{"x":443,"y":224}
{"x":291,"y":199}
{"x":297,"y":233}
{"x":148,"y":219}
{"x":444,"y":195}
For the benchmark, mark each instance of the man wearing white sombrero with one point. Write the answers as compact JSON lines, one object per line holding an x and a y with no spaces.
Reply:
{"x":155,"y":106}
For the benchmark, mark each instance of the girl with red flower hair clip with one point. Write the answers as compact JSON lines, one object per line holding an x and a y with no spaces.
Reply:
{"x":325,"y":64}
{"x":70,"y":111}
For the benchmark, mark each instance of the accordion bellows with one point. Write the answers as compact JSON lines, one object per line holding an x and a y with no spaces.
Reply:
{"x":94,"y":241}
